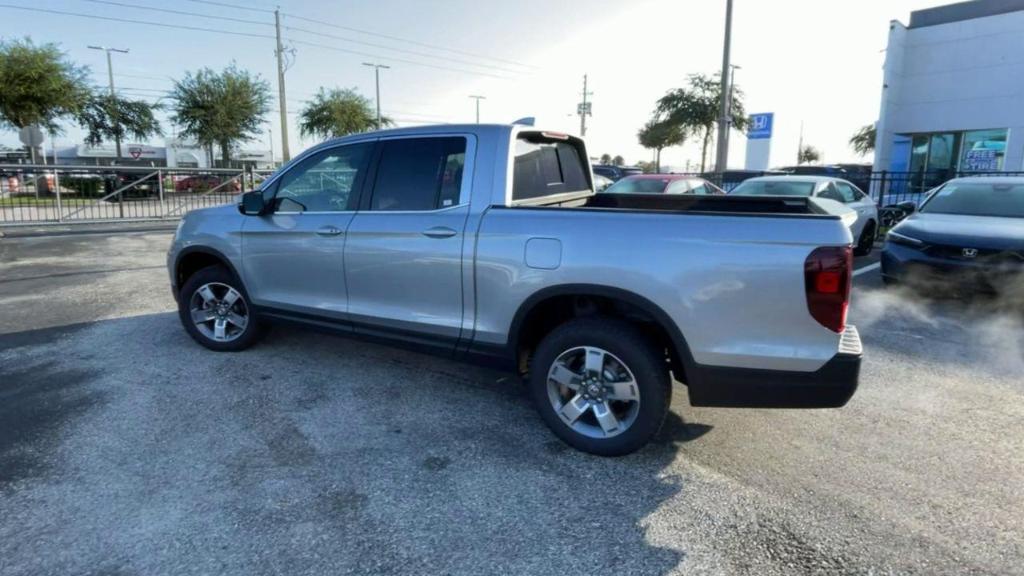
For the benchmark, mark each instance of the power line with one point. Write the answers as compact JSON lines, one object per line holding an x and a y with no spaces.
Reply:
{"x":228,"y":5}
{"x":301,"y":30}
{"x":131,"y":21}
{"x":399,"y":39}
{"x":247,"y":35}
{"x":179,"y":12}
{"x":393,"y":59}
{"x":402,"y":50}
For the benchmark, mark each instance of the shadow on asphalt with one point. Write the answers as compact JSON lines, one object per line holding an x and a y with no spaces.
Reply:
{"x":307,"y":453}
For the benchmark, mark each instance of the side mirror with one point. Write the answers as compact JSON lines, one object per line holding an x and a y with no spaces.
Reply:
{"x":908,"y":207}
{"x":252,"y":203}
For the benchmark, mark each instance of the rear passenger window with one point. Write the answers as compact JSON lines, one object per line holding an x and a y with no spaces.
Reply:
{"x":419,"y":174}
{"x":847,"y":192}
{"x":544,"y":166}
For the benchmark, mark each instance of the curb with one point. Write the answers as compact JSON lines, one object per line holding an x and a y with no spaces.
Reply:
{"x":77,"y":231}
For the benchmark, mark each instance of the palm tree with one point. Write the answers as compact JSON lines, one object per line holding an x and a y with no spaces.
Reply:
{"x":696,"y":109}
{"x":38,"y":85}
{"x":863,"y":142}
{"x":337,"y":112}
{"x":220,"y":108}
{"x":134,"y":119}
{"x":808,"y":155}
{"x":657,"y":135}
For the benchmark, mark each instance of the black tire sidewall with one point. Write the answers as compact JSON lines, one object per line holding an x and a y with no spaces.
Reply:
{"x":630,"y":345}
{"x":867,"y":234}
{"x":224,"y":276}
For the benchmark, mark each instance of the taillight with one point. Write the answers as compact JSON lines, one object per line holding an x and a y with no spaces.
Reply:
{"x":827,"y":276}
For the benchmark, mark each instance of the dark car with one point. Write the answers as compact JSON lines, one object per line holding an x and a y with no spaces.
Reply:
{"x":615,"y":173}
{"x":130,"y":185}
{"x":663,"y":184}
{"x":968,"y":234}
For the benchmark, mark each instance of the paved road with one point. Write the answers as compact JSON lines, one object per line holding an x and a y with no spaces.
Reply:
{"x":127,"y":449}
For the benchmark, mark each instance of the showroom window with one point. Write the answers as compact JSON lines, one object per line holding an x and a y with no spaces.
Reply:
{"x":983,"y":151}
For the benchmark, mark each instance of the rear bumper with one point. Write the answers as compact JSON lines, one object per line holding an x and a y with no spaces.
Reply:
{"x":830,"y":386}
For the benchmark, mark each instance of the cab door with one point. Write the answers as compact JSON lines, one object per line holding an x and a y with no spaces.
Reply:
{"x":293,"y":256}
{"x":403,"y":254}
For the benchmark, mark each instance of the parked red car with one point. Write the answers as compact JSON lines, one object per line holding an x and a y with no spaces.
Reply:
{"x":202,"y":183}
{"x":663,"y":184}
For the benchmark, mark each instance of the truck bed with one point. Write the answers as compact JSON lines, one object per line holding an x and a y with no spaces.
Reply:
{"x":761,"y":205}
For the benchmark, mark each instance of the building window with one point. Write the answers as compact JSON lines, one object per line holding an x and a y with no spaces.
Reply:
{"x":983,"y":151}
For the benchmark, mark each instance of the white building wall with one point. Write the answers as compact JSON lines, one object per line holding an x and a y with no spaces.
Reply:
{"x":965,"y":75}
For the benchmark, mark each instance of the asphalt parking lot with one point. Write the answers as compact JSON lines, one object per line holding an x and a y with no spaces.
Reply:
{"x":125,"y":448}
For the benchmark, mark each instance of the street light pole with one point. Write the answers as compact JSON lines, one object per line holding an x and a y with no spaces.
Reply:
{"x":478,"y":99}
{"x":723,"y":119}
{"x":376,"y":76}
{"x":113,"y":96}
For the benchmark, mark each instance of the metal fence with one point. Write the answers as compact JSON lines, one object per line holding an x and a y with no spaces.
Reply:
{"x":40,"y":194}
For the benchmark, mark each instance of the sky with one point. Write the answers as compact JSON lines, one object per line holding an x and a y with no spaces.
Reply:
{"x":815,"y":62}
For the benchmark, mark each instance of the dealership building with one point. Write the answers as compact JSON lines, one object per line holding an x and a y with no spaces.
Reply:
{"x":953,"y":92}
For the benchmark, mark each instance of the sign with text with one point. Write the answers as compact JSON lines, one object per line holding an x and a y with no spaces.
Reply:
{"x":760,"y":126}
{"x":981,"y":160}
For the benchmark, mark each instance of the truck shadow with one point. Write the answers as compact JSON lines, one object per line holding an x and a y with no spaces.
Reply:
{"x":396,"y":462}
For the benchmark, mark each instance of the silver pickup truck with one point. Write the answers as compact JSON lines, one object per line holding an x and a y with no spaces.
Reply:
{"x":487,"y":243}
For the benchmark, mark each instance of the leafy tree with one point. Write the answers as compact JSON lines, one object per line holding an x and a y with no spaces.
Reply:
{"x":38,"y":85}
{"x":135,"y":119}
{"x":647,"y":167}
{"x":619,"y":161}
{"x":220,"y":108}
{"x":658,"y":135}
{"x":808,"y":155}
{"x":337,"y":112}
{"x":696,"y":109}
{"x":606,"y":158}
{"x":863,"y":142}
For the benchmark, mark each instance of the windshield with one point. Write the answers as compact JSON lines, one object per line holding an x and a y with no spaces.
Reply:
{"x":638,"y":186}
{"x":975,"y":199}
{"x":773,"y":188}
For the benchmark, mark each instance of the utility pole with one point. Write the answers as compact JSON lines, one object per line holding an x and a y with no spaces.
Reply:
{"x":281,"y":101}
{"x":722,"y":160}
{"x":113,"y":96}
{"x":478,"y":99}
{"x":376,"y":76}
{"x":584,"y":108}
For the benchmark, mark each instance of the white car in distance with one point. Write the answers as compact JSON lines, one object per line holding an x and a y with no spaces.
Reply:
{"x":864,"y":228}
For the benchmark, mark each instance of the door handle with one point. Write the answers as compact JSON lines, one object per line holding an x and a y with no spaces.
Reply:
{"x":328,"y":231}
{"x":439,"y":232}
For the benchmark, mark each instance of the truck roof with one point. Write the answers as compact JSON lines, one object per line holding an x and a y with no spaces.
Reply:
{"x":481,"y":129}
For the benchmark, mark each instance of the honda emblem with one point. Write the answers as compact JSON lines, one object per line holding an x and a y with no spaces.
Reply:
{"x":970,"y":252}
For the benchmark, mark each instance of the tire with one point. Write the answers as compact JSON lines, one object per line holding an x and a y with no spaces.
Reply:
{"x":623,"y":346}
{"x":866,"y":242}
{"x":215,"y":294}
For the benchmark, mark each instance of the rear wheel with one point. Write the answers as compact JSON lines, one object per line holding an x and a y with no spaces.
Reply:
{"x":215,"y":311}
{"x":600,"y":385}
{"x":867,"y":240}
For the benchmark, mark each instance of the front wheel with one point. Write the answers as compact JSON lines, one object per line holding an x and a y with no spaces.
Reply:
{"x":215,"y":311}
{"x":601,"y":385}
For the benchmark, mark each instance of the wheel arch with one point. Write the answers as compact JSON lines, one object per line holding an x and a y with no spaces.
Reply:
{"x":530,"y":323}
{"x":194,"y":258}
